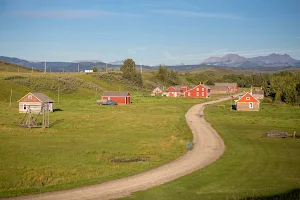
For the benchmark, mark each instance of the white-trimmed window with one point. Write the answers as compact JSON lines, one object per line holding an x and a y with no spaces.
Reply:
{"x":197,"y":89}
{"x":202,"y":93}
{"x":202,"y":89}
{"x":29,"y":96}
{"x":24,"y":106}
{"x":250,"y":105}
{"x":197,"y":94}
{"x":189,"y":94}
{"x":247,"y":98}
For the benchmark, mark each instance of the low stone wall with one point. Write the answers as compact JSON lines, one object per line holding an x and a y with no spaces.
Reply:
{"x":277,"y":134}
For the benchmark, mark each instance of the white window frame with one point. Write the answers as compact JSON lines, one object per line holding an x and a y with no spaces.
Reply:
{"x":189,"y":94}
{"x":247,"y":98}
{"x":197,"y":89}
{"x":30,"y":96}
{"x":251,"y":105}
{"x":197,"y":94}
{"x":202,"y":89}
{"x":24,"y":107}
{"x":202,"y":93}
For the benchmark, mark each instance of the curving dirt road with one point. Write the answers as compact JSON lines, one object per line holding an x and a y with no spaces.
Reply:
{"x":208,"y":147}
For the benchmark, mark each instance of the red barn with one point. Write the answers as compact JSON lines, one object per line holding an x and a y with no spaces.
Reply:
{"x":199,"y":91}
{"x":176,"y":91}
{"x":119,"y":97}
{"x":247,"y":103}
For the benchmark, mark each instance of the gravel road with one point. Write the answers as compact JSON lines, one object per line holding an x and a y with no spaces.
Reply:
{"x":208,"y":147}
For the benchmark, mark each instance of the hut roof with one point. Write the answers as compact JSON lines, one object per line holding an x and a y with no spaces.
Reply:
{"x":226,"y":84}
{"x":115,"y":94}
{"x":40,"y":96}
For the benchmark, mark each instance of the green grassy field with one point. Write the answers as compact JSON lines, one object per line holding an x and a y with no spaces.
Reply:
{"x":252,"y":165}
{"x":84,"y":138}
{"x":9,"y":67}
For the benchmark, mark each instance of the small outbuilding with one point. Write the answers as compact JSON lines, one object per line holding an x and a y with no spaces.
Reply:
{"x":34,"y":102}
{"x":119,"y":97}
{"x":199,"y":91}
{"x":247,"y":103}
{"x":157,"y":90}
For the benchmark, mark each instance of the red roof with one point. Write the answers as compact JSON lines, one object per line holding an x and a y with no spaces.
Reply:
{"x":247,"y":97}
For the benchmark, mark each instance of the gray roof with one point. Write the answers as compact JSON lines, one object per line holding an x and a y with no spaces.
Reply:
{"x":258,"y":92}
{"x":226,"y":84}
{"x":115,"y":94}
{"x":218,"y":88}
{"x":179,"y":87}
{"x":42,"y":97}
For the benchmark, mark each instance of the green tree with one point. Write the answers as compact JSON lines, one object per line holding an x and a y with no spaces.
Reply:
{"x":95,"y":69}
{"x":128,"y":68}
{"x":162,"y":73}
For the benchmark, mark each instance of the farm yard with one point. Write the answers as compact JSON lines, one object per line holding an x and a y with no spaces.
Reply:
{"x":88,"y":144}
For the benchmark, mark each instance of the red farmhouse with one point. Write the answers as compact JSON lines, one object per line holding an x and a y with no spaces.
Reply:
{"x":199,"y":91}
{"x":119,"y":97}
{"x":177,"y":90}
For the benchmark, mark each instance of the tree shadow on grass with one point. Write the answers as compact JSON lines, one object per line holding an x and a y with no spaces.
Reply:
{"x":57,"y":109}
{"x":290,"y":195}
{"x":56,"y":122}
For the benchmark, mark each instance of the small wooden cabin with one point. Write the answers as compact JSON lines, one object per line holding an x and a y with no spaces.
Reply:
{"x":247,"y":103}
{"x":35,"y":102}
{"x":119,"y":97}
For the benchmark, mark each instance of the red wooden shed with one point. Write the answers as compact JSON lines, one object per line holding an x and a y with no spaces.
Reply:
{"x":199,"y":91}
{"x":119,"y":97}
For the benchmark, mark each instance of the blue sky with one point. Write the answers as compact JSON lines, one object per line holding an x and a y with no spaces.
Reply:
{"x":149,"y":31}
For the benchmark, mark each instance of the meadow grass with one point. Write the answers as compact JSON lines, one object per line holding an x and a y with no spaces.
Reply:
{"x":252,"y":167}
{"x":84,"y":138}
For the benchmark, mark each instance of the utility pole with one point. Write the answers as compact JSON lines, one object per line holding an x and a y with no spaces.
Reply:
{"x":106,"y":68}
{"x":45,"y":68}
{"x":31,"y":69}
{"x":10,"y":97}
{"x":58,"y":95}
{"x":96,"y":92}
{"x":141,"y":67}
{"x":78,"y":67}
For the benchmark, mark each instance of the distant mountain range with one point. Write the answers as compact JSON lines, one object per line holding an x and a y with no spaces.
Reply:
{"x":271,"y":62}
{"x":234,"y":60}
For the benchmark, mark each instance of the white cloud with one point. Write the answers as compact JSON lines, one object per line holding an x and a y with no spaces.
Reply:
{"x":136,"y":50}
{"x":221,"y":50}
{"x":131,"y":51}
{"x":68,"y":14}
{"x":185,"y":13}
